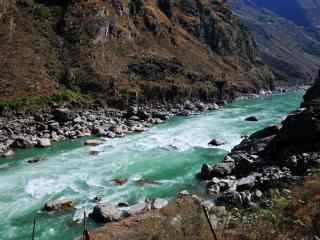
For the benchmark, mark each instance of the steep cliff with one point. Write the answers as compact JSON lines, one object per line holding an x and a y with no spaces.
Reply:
{"x":115,"y":50}
{"x":287,"y":33}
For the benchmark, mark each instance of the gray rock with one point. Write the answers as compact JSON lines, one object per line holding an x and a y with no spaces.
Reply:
{"x":123,"y":205}
{"x":8,"y":153}
{"x":222,"y":169}
{"x":54,"y":126}
{"x":233,"y":198}
{"x":23,"y":142}
{"x":161,"y":115}
{"x":110,"y":134}
{"x":183,"y":193}
{"x":213,"y":106}
{"x":98,"y":131}
{"x":44,"y":142}
{"x":286,"y":193}
{"x":258,"y":194}
{"x":138,"y":208}
{"x":63,"y":115}
{"x":104,"y":213}
{"x":215,"y":142}
{"x":201,"y":106}
{"x":144,"y":115}
{"x":206,"y":172}
{"x":185,"y":113}
{"x":214,"y":189}
{"x":159,"y":203}
{"x":246,"y":183}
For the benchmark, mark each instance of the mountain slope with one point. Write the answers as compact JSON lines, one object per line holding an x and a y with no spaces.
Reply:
{"x":287,"y":32}
{"x":161,"y":50}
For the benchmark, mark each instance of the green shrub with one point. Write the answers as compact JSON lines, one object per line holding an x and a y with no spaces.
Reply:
{"x":41,"y":12}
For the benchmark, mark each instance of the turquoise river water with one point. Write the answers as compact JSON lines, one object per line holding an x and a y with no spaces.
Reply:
{"x":170,"y":154}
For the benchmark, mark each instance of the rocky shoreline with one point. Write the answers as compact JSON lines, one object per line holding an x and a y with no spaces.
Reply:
{"x":276,"y":157}
{"x":60,"y":123}
{"x":68,"y":121}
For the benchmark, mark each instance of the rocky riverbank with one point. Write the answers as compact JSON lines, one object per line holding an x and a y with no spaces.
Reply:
{"x":20,"y":131}
{"x":275,"y":157}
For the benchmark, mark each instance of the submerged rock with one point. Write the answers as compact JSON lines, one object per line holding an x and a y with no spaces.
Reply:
{"x":143,"y":182}
{"x":120,"y":181}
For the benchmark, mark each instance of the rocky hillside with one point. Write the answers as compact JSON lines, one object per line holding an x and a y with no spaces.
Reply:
{"x":287,"y":32}
{"x":118,"y":50}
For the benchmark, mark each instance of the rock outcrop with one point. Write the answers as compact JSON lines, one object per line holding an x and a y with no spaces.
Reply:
{"x":123,"y":50}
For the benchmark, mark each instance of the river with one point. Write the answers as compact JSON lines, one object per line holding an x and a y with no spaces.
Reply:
{"x":171,"y":154}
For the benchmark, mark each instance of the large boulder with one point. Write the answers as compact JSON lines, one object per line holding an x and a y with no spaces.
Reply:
{"x":206,"y":172}
{"x":223,"y":169}
{"x":23,"y":142}
{"x":266,"y":132}
{"x":104,"y":213}
{"x":159,"y":203}
{"x":63,"y":115}
{"x":44,"y":142}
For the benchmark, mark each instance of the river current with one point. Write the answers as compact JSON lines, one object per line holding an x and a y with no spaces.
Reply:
{"x":169,"y":154}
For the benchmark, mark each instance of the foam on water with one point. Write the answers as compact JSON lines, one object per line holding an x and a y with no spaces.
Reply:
{"x":169,"y":154}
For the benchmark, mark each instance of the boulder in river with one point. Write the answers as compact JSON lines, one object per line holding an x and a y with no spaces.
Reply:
{"x":8,"y":153}
{"x":104,"y":213}
{"x":58,"y":206}
{"x":120,"y":181}
{"x":216,"y":143}
{"x":93,"y":142}
{"x":252,"y":119}
{"x":159,"y":203}
{"x":44,"y":142}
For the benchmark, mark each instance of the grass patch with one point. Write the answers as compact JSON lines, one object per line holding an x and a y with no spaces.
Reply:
{"x":37,"y":102}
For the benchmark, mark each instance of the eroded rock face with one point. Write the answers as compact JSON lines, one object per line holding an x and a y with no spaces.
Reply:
{"x":152,"y":44}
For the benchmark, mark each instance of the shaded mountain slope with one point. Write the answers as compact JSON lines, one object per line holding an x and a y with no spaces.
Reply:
{"x":287,"y":32}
